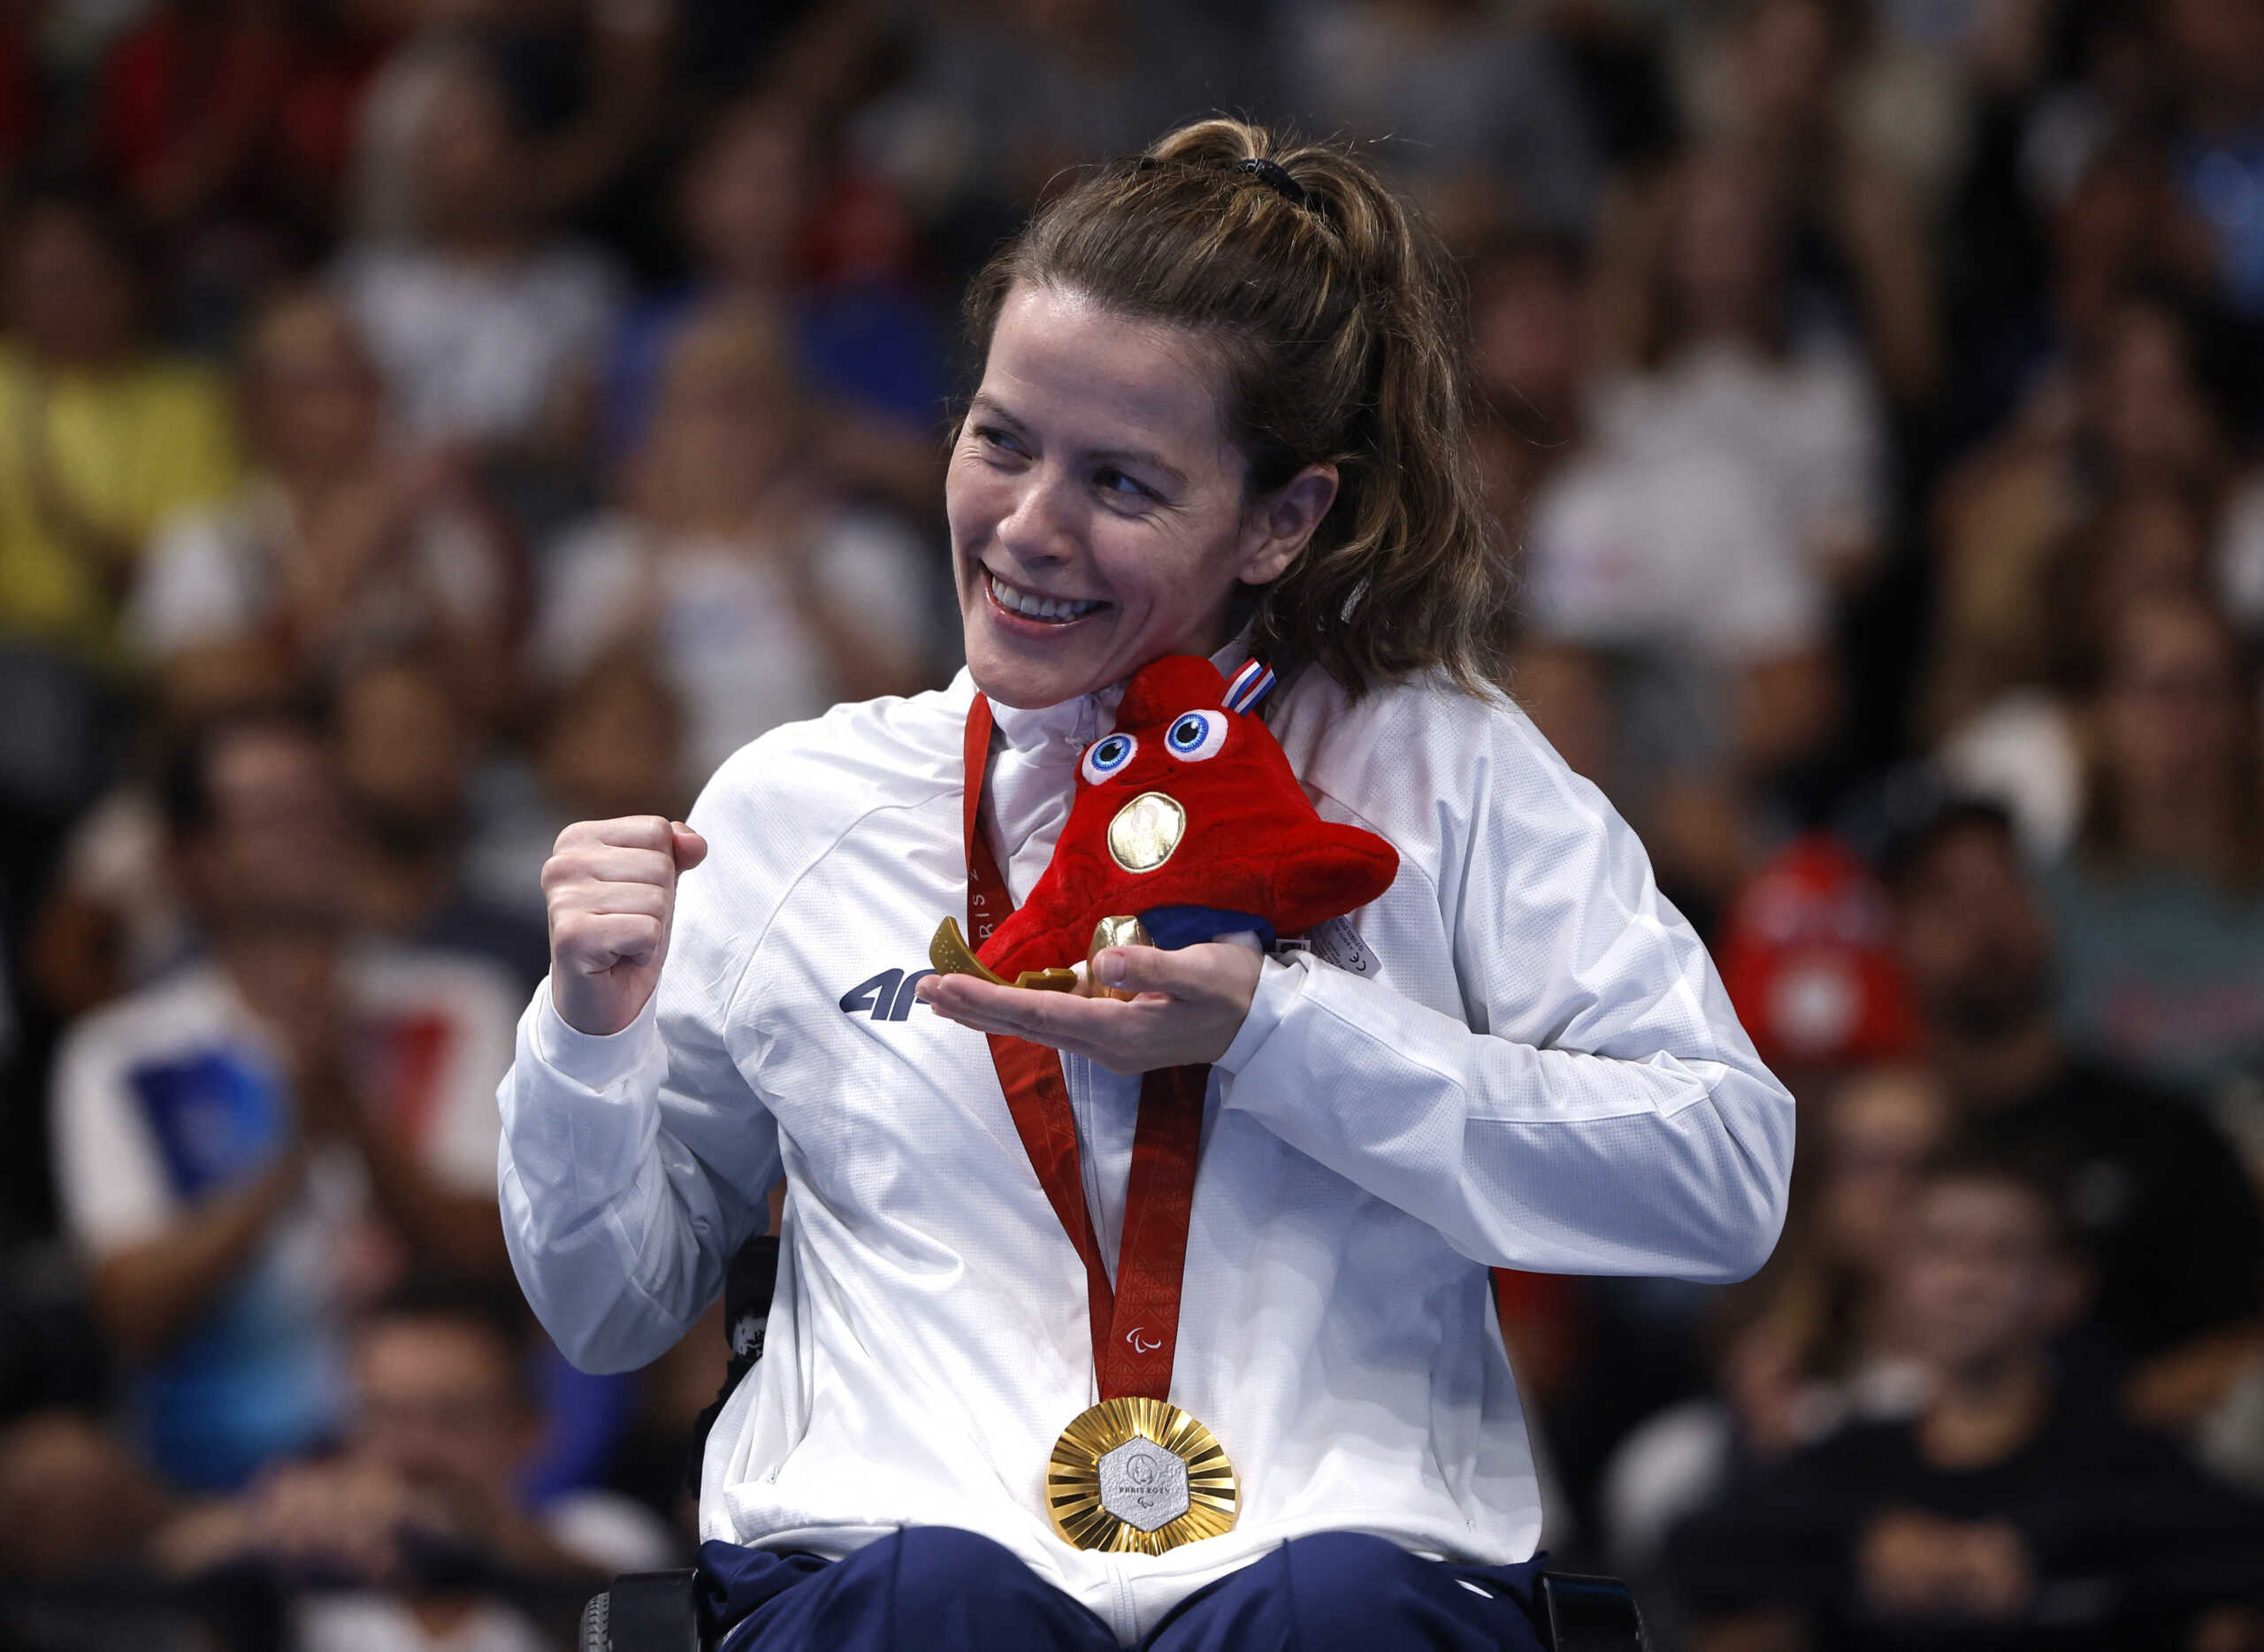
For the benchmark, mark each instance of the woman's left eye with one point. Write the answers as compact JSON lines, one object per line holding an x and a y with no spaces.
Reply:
{"x":1118,"y":483}
{"x":1196,"y":736}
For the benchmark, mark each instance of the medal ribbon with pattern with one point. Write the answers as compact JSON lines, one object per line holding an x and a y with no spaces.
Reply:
{"x":1134,"y":1324}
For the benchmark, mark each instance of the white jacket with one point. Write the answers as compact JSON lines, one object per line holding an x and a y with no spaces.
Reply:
{"x":1523,"y":1057}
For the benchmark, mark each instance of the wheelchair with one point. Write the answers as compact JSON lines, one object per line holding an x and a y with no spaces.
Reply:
{"x":658,"y":1611}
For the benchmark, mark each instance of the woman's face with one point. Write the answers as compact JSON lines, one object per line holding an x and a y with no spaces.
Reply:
{"x":315,"y":398}
{"x":2146,"y":402}
{"x":1722,"y":259}
{"x":68,"y":297}
{"x":2170,"y":715}
{"x":1096,"y":507}
{"x":1879,"y":1129}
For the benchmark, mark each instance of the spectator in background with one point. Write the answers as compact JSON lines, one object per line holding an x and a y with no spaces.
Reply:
{"x":609,"y":743}
{"x":1677,"y":630}
{"x":2026,"y":749}
{"x":407,"y":751}
{"x":1483,"y":117}
{"x":2160,"y":907}
{"x":764,"y":596}
{"x":996,"y":100}
{"x":2157,"y":1195}
{"x":77,"y":1508}
{"x":1531,"y":357}
{"x":766,"y":227}
{"x":1857,"y":243}
{"x":2217,"y":51}
{"x":1721,"y":361}
{"x":2143,"y":455}
{"x":101,"y":437}
{"x":590,"y":77}
{"x":416,"y":1531}
{"x":1815,"y":1339}
{"x":488,"y":330}
{"x":1807,"y":957}
{"x":741,"y":202}
{"x":340,"y":548}
{"x":2016,"y":1510}
{"x":223,"y":122}
{"x":2112,"y":226}
{"x":248,"y":1146}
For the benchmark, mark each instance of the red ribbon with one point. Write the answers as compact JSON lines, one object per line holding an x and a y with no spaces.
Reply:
{"x":1134,"y":1325}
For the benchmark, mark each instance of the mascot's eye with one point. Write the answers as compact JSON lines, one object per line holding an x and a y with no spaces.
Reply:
{"x":1104,"y":758}
{"x":1197,"y":735}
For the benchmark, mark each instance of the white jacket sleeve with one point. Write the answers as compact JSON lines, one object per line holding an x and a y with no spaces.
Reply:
{"x":633,"y":1167}
{"x":1594,"y":1108}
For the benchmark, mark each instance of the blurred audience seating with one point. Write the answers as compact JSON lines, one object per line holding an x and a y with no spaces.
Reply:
{"x":424,"y":426}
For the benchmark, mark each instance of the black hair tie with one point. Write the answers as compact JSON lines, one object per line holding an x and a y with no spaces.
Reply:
{"x":1276,"y":178}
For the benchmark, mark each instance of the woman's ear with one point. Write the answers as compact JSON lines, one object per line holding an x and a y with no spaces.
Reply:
{"x":1282,"y":522}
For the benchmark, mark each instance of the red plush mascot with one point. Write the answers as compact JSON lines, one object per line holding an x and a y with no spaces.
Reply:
{"x":1187,"y":819}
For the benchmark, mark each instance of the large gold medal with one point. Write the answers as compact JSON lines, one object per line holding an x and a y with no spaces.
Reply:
{"x":1139,"y":1476}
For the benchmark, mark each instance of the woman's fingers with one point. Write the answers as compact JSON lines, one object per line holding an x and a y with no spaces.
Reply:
{"x":1152,"y":970}
{"x":610,"y":863}
{"x":610,"y":886}
{"x":1024,"y":1012}
{"x":1190,"y":1005}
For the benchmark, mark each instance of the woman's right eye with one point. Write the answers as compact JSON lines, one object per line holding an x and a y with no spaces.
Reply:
{"x":991,"y":436}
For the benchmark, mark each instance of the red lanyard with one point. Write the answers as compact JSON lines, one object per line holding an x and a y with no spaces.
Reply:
{"x":1136,"y":1325}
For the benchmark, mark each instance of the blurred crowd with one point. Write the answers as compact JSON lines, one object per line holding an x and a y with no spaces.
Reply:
{"x":426,"y":423}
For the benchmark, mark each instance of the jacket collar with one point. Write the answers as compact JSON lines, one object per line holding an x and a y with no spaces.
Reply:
{"x":1076,"y":724}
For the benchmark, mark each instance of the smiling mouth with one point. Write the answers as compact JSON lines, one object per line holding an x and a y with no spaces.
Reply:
{"x":1030,"y":605}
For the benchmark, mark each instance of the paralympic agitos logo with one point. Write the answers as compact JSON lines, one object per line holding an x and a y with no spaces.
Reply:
{"x":886,"y":997}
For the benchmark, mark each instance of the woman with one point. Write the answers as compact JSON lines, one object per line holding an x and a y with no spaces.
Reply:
{"x":340,"y":550}
{"x":1220,"y":412}
{"x":761,"y":590}
{"x":2157,"y":905}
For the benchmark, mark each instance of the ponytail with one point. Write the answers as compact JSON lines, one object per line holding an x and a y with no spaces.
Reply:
{"x":1338,"y":315}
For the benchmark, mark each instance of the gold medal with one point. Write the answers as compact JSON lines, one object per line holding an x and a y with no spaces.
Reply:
{"x":1139,"y":1476}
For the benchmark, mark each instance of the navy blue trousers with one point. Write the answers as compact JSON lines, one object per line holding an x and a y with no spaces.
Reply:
{"x":934,"y":1588}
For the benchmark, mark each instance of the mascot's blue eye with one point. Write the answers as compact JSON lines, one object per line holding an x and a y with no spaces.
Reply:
{"x":1197,"y":735}
{"x":1104,"y":758}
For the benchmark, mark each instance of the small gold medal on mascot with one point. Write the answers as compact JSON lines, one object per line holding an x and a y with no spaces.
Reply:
{"x":1139,"y":1476}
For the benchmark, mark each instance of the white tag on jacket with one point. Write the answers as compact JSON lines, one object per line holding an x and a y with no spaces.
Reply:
{"x":1337,"y":943}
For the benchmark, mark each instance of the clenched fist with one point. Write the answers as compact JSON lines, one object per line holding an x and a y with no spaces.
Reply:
{"x":611,"y":887}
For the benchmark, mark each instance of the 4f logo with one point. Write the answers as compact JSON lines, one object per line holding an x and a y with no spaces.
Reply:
{"x":886,"y":997}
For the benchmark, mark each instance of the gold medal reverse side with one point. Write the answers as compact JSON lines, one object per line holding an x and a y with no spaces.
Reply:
{"x":1139,"y":1476}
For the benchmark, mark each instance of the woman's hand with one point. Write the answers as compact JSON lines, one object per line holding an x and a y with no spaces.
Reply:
{"x":611,"y":889}
{"x":1189,"y":1005}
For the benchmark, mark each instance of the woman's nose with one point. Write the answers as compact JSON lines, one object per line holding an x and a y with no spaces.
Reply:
{"x":1038,"y":526}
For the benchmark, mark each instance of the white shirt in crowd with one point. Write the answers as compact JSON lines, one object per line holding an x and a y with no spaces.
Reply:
{"x":1807,"y":423}
{"x":730,"y":631}
{"x":1523,"y":1057}
{"x":1712,"y":495}
{"x":176,"y":1092}
{"x":211,"y":578}
{"x":479,"y":352}
{"x":1675,"y":552}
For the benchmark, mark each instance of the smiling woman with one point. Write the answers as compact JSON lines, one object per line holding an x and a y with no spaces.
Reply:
{"x":1098,"y":511}
{"x":1269,"y":347}
{"x":1220,"y":412}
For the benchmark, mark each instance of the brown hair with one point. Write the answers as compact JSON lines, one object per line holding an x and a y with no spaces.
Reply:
{"x":1340,"y":321}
